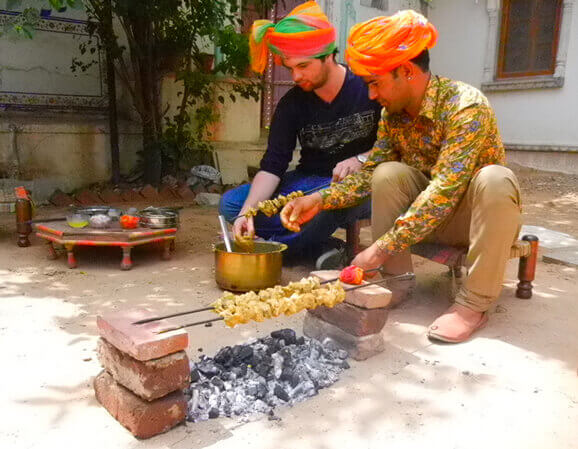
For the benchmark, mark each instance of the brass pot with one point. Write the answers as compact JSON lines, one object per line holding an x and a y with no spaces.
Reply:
{"x":243,"y":272}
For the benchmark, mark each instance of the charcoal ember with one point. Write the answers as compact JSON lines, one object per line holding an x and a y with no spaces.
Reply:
{"x":213,"y":413}
{"x":225,"y":357}
{"x":285,"y":334}
{"x":304,"y":390}
{"x":300,"y":341}
{"x":281,"y":393}
{"x":228,"y":376}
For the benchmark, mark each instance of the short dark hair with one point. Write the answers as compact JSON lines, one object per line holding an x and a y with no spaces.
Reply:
{"x":422,"y":60}
{"x":333,"y":53}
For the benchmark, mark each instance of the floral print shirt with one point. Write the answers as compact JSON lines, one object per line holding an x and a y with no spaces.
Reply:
{"x":454,"y":135}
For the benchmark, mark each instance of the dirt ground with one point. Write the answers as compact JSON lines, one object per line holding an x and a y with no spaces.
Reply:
{"x":513,"y":386}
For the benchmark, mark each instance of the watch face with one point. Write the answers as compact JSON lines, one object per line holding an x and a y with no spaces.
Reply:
{"x":362,"y":158}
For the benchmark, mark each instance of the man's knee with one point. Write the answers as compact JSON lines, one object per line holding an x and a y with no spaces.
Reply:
{"x":231,"y":202}
{"x":389,"y":173}
{"x":496,"y":184}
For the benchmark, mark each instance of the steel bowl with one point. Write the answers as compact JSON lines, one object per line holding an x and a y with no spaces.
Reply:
{"x":92,"y":210}
{"x":159,"y":219}
{"x":243,"y":272}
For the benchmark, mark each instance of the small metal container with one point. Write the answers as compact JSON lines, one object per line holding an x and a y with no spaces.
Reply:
{"x":243,"y":272}
{"x":92,"y":210}
{"x":159,"y":219}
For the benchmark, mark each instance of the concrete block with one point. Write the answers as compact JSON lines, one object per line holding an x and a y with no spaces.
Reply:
{"x":149,"y":380}
{"x":372,"y":297}
{"x":140,"y":340}
{"x":564,"y":256}
{"x":358,"y":348}
{"x":208,"y":199}
{"x":143,"y":419}
{"x":353,"y":320}
{"x":549,"y":239}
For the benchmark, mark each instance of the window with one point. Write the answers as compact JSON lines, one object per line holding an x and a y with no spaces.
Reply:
{"x":378,"y":4}
{"x":529,"y":35}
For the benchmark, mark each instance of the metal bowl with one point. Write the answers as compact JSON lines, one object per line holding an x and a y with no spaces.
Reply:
{"x":159,"y":220}
{"x":243,"y":272}
{"x":91,"y":210}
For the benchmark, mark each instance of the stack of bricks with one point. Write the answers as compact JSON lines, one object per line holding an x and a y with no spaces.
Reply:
{"x":144,"y":372}
{"x":356,"y":324}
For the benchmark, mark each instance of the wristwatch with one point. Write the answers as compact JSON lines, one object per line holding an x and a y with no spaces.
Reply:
{"x":362,"y":158}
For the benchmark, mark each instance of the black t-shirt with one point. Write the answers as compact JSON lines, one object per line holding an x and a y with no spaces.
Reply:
{"x":328,"y":132}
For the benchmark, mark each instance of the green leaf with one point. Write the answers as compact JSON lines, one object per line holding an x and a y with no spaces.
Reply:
{"x":28,"y":31}
{"x":75,"y":4}
{"x":56,"y":4}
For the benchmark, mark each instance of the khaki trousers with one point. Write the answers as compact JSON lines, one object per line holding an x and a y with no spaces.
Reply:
{"x":487,"y":221}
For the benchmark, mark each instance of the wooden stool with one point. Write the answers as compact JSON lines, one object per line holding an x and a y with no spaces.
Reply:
{"x":454,"y":257}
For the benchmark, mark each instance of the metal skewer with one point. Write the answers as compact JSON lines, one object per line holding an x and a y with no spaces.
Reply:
{"x":336,"y":279}
{"x":158,"y":318}
{"x":198,"y":323}
{"x":225,"y":234}
{"x":304,"y":193}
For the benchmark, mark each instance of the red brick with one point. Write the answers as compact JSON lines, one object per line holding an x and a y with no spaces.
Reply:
{"x":168,"y":193}
{"x":185,"y":193}
{"x":110,"y":196}
{"x":141,"y":340}
{"x":143,"y":419}
{"x":130,"y":195}
{"x":149,"y":380}
{"x":353,"y":320}
{"x":88,"y":198}
{"x":371,"y":297}
{"x":215,"y":188}
{"x":61,"y":199}
{"x":149,"y":193}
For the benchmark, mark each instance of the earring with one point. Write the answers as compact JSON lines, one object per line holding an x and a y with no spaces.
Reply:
{"x":409,"y":78}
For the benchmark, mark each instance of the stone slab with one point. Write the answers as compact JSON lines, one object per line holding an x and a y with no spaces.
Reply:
{"x":372,"y":297}
{"x":208,"y":199}
{"x":549,"y":239}
{"x":140,"y":341}
{"x":565,"y":256}
{"x":358,"y":348}
{"x":142,"y":418}
{"x":149,"y":380}
{"x":353,"y":320}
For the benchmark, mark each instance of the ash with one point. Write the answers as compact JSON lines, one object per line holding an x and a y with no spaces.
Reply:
{"x":247,"y":379}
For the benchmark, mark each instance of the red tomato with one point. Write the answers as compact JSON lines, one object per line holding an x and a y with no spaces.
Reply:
{"x":351,"y":275}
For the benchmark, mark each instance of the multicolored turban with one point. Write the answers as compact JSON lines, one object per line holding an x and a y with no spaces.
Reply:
{"x":304,"y":33}
{"x":383,"y":43}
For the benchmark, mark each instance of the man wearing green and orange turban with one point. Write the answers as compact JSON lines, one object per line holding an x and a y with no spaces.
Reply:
{"x":436,"y":172}
{"x":331,"y":115}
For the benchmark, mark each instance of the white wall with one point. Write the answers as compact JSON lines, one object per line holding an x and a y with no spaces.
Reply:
{"x":529,"y":117}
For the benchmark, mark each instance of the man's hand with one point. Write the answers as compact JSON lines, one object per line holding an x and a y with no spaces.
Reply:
{"x":346,"y":167}
{"x":301,"y":210}
{"x":243,"y":226}
{"x":370,"y":258}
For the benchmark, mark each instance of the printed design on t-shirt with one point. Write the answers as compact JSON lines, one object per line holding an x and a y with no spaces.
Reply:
{"x":331,"y":137}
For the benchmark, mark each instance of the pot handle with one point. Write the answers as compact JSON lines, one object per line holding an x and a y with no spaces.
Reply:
{"x":282,"y":247}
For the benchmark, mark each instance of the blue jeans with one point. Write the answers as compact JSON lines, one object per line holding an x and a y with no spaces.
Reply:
{"x":310,"y":241}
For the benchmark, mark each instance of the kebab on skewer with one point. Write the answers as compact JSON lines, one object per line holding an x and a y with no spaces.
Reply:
{"x":272,"y":207}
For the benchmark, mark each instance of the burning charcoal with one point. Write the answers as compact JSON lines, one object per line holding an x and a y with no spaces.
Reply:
{"x":213,"y":413}
{"x":225,"y":357}
{"x":281,"y":393}
{"x":277,"y":365}
{"x":285,"y":334}
{"x":261,"y":391}
{"x":195,"y":375}
{"x":304,"y":390}
{"x":228,"y":376}
{"x":286,"y":375}
{"x":218,"y":382}
{"x":300,"y":341}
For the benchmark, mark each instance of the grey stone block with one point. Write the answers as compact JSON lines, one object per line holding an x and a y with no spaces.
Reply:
{"x":564,"y":256}
{"x":549,"y":239}
{"x":359,"y":348}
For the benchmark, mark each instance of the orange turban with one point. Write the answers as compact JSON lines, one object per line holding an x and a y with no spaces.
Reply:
{"x":304,"y":33}
{"x":383,"y":43}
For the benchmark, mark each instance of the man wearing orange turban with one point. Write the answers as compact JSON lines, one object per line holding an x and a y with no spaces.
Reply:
{"x":329,"y":111}
{"x":436,"y":172}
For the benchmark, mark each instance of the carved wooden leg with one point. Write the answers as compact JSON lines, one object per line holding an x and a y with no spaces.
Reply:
{"x":166,"y":250}
{"x":527,"y":269}
{"x":172,"y":247}
{"x":23,"y":217}
{"x":352,"y":239}
{"x":52,"y":254}
{"x":126,"y":263}
{"x":71,"y":259}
